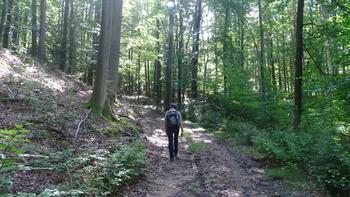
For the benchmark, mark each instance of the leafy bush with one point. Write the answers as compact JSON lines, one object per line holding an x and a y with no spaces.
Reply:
{"x":242,"y":132}
{"x":192,"y":111}
{"x":10,"y":139}
{"x":210,"y":119}
{"x":324,"y":154}
{"x":102,"y":172}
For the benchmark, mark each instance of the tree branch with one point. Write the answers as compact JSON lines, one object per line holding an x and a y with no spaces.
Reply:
{"x":318,"y":66}
{"x":81,"y":122}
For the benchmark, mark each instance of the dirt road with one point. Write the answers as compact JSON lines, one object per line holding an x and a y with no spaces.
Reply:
{"x":217,"y":171}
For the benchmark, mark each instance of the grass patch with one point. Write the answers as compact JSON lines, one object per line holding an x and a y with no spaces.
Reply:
{"x":198,"y":147}
{"x":292,"y":174}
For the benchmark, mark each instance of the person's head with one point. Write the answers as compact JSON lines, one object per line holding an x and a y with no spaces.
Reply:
{"x":173,"y":106}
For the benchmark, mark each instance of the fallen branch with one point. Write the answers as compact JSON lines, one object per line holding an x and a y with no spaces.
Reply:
{"x":124,"y":116}
{"x":81,"y":122}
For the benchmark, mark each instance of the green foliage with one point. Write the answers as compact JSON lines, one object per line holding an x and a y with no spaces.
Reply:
{"x":192,"y":111}
{"x":104,"y":171}
{"x":295,"y":176}
{"x":242,"y":132}
{"x":5,"y":184}
{"x":198,"y":147}
{"x":323,"y":153}
{"x":10,"y":139}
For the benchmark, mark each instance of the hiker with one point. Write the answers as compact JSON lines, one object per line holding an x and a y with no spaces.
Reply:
{"x":173,"y":123}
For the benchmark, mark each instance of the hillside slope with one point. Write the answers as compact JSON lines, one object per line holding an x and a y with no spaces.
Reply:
{"x":50,"y":142}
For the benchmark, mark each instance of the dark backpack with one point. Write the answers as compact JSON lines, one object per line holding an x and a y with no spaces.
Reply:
{"x":173,"y":118}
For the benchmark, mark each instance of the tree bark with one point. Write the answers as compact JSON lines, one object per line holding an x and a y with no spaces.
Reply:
{"x":169,"y":66}
{"x":3,"y":19}
{"x":16,"y":21}
{"x":158,"y":66}
{"x":195,"y":49}
{"x":42,"y":34}
{"x":72,"y":38}
{"x":298,"y":66}
{"x":225,"y":49}
{"x":262,"y":52}
{"x":115,"y":47}
{"x":62,"y":63}
{"x":272,"y":65}
{"x":8,"y":25}
{"x":180,"y":56}
{"x":25,"y":32}
{"x":34,"y":48}
{"x":99,"y":93}
{"x":95,"y":41}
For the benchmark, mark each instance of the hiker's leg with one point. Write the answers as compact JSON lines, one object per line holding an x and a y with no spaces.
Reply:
{"x":170,"y":143}
{"x":176,"y":140}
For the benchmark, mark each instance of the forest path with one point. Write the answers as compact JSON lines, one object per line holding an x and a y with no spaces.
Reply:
{"x":218,"y":170}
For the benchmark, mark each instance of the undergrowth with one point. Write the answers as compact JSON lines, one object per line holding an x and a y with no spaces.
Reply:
{"x":321,"y":150}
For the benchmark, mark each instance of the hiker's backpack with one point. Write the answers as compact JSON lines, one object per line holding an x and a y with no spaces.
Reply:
{"x":173,"y":118}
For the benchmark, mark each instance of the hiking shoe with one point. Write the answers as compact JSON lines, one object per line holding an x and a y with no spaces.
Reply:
{"x":171,"y":159}
{"x":176,"y":157}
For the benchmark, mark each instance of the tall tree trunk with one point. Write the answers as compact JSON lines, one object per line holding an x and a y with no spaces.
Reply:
{"x":158,"y":66}
{"x":180,"y":56}
{"x":298,"y":66}
{"x":272,"y":65}
{"x":225,"y":48}
{"x":205,"y":75}
{"x":42,"y":34}
{"x":262,"y":52}
{"x":195,"y":50}
{"x":34,"y":48}
{"x":138,"y":76}
{"x":216,"y":62}
{"x":64,"y":36}
{"x":99,"y":93}
{"x":3,"y":19}
{"x":242,"y":41}
{"x":146,"y":78}
{"x":115,"y":46}
{"x":25,"y":32}
{"x":72,"y":38}
{"x":16,"y":21}
{"x":170,"y":60}
{"x":8,"y":25}
{"x":95,"y":41}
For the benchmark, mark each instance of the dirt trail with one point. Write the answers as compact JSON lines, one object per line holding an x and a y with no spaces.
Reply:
{"x":217,"y":171}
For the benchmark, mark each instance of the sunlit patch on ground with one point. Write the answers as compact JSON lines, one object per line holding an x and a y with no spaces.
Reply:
{"x":12,"y":66}
{"x":156,"y":140}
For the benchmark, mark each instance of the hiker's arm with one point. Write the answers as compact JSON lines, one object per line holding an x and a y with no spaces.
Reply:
{"x":182,"y":130}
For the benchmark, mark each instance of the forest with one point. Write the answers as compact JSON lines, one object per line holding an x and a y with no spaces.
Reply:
{"x":263,"y":87}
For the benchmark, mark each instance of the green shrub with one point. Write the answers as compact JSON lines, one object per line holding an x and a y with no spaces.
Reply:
{"x":210,"y":119}
{"x":324,"y":154}
{"x":242,"y":132}
{"x":192,"y":111}
{"x":198,"y":147}
{"x":295,"y":176}
{"x":10,"y":140}
{"x":102,"y":172}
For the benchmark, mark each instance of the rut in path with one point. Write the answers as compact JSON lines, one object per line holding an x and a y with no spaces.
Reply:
{"x":217,"y":171}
